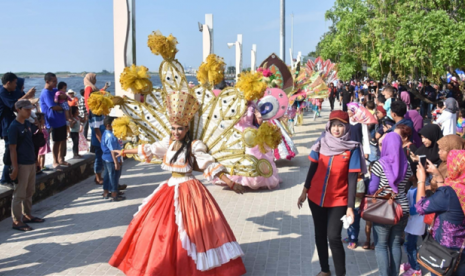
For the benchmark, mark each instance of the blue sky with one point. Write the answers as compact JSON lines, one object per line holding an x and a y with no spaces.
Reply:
{"x":77,"y":35}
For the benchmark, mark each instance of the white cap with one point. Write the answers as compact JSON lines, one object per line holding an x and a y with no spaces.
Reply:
{"x":71,"y":91}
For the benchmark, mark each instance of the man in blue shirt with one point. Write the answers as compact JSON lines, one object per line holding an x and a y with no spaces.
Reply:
{"x":10,"y":92}
{"x":23,"y":165}
{"x":55,"y":119}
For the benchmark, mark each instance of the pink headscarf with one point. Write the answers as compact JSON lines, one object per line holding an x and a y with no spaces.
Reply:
{"x":405,"y":97}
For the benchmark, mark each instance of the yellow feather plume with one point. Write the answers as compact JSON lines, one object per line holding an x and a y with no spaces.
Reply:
{"x":268,"y":134}
{"x":211,"y":71}
{"x":122,"y":128}
{"x":251,"y":85}
{"x":100,"y":103}
{"x":136,"y":79}
{"x":162,"y":45}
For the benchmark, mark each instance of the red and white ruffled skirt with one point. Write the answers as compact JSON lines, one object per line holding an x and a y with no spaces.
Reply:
{"x":180,"y":230}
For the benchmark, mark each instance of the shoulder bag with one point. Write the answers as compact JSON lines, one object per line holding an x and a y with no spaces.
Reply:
{"x":381,"y":209}
{"x":438,"y":259}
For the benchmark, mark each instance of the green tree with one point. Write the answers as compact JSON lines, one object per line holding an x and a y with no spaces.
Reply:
{"x":398,"y":38}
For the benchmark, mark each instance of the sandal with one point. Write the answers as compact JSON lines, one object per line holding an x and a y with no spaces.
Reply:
{"x":117,"y":198}
{"x":97,"y":182}
{"x":366,"y":245}
{"x":352,"y":245}
{"x":345,"y":240}
{"x":34,"y":220}
{"x":23,"y":228}
{"x":122,"y":187}
{"x":109,"y":194}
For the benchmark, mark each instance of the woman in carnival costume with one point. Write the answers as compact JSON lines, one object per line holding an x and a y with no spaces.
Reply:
{"x":179,"y":229}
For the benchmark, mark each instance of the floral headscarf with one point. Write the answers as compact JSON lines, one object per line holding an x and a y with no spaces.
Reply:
{"x":456,"y":171}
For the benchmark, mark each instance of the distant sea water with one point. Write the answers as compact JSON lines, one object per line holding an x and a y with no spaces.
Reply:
{"x":77,"y":83}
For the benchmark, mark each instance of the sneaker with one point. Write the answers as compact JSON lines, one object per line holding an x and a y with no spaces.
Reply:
{"x":404,"y":267}
{"x":412,"y":272}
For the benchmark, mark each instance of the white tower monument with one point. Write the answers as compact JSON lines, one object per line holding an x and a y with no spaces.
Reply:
{"x":207,"y":35}
{"x":253,"y":56}
{"x":238,"y":45}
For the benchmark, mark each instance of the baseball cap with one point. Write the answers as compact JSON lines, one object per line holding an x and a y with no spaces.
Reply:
{"x":340,"y":116}
{"x":26,"y":104}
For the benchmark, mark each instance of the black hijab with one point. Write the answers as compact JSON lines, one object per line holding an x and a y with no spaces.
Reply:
{"x":433,"y":133}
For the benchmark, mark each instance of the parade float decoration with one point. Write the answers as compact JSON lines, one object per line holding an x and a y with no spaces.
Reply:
{"x":274,"y":104}
{"x":214,"y":114}
{"x":361,"y":114}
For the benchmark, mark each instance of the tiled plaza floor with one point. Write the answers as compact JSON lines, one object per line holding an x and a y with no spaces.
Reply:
{"x":82,"y":230}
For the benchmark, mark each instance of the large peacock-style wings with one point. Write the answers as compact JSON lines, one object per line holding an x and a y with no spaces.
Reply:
{"x":214,"y":125}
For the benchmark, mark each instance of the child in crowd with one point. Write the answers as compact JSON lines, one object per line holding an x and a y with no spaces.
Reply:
{"x":45,"y":149}
{"x":41,"y":151}
{"x":461,"y":122}
{"x":371,"y":107}
{"x":74,"y":130}
{"x":316,"y":103}
{"x":437,"y":112}
{"x":388,"y":93}
{"x":415,"y":228}
{"x":62,"y":99}
{"x":354,"y":229}
{"x":113,"y":165}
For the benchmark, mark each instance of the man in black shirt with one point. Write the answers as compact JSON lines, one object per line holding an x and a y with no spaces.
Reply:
{"x":372,"y":90}
{"x":429,"y":92}
{"x":347,"y":96}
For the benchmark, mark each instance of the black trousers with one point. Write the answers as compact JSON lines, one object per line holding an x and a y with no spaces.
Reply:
{"x":328,"y":226}
{"x":331,"y":103}
{"x":75,"y":139}
{"x":344,"y":106}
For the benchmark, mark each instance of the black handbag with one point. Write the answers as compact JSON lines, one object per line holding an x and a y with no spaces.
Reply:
{"x":437,"y":259}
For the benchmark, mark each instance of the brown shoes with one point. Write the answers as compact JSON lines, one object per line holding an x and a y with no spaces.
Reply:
{"x":324,"y":273}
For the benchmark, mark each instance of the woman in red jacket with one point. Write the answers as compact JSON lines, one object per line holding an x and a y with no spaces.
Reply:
{"x":331,"y":187}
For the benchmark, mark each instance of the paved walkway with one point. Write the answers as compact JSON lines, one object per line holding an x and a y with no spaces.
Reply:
{"x":82,"y":230}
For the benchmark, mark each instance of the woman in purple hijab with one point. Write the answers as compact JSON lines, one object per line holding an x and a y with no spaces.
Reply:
{"x":417,"y":120}
{"x":392,"y":171}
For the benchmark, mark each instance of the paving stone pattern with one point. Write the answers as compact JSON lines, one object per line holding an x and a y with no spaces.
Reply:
{"x":83,"y":230}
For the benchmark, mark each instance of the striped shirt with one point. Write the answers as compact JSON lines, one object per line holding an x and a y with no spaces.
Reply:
{"x":82,"y":107}
{"x":401,"y":197}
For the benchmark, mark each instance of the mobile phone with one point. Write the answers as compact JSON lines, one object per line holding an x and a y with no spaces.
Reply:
{"x":422,"y":160}
{"x":108,"y":84}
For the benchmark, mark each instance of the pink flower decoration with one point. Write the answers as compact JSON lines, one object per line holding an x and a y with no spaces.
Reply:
{"x":267,"y":73}
{"x":260,"y":69}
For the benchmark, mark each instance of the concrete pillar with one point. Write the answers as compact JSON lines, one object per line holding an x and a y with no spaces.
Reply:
{"x":238,"y":56}
{"x":207,"y":36}
{"x":124,"y":40}
{"x":282,"y":33}
{"x":253,"y":56}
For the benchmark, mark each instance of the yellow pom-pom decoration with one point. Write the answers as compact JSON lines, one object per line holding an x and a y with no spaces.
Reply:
{"x":100,"y":103}
{"x":251,"y":85}
{"x":162,"y":45}
{"x":121,"y":127}
{"x":266,"y":135}
{"x":136,"y":79}
{"x":212,"y":71}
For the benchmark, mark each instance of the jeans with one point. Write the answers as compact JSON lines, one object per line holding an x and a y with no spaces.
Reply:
{"x":461,"y":267}
{"x":387,"y":247}
{"x":410,"y":246}
{"x":328,"y":226}
{"x":111,"y":177}
{"x":98,"y":165}
{"x":373,"y":156}
{"x":354,"y":229}
{"x":6,"y":169}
